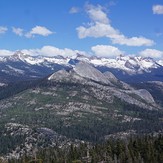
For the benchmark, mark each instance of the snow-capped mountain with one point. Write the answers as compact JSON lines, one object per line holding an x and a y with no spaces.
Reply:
{"x":19,"y":56}
{"x":130,"y":65}
{"x":22,"y":66}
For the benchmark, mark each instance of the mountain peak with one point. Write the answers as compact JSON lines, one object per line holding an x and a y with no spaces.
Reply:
{"x":81,"y":71}
{"x":19,"y":55}
{"x":82,"y":57}
{"x":88,"y":71}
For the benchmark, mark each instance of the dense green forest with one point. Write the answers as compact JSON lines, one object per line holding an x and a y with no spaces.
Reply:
{"x":33,"y":114}
{"x":141,"y":149}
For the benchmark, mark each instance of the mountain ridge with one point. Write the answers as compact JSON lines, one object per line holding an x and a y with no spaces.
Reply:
{"x":23,"y":66}
{"x":92,"y":76}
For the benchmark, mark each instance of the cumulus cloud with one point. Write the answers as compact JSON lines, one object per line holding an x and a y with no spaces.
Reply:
{"x":45,"y":51}
{"x":31,"y":52}
{"x":52,"y":51}
{"x":106,"y":51}
{"x":153,"y":53}
{"x":97,"y":14}
{"x":100,"y":26}
{"x":4,"y":52}
{"x":17,"y":31}
{"x":133,"y":41}
{"x":3,"y":29}
{"x":74,"y":10}
{"x":97,"y":30}
{"x":157,"y":9}
{"x":38,"y":30}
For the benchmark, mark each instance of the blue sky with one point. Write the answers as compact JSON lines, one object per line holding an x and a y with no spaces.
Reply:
{"x":95,"y":27}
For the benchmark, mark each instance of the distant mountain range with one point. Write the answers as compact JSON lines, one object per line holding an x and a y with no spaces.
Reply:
{"x":20,"y":67}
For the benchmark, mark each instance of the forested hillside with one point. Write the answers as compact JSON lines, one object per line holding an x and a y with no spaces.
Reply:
{"x":144,"y":149}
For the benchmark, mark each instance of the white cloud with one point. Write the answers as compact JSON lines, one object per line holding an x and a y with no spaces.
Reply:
{"x":17,"y":31}
{"x":4,"y":52}
{"x":97,"y":30}
{"x":31,"y":52}
{"x":38,"y":30}
{"x":100,"y":27}
{"x":52,"y":51}
{"x":3,"y":30}
{"x":74,"y":10}
{"x":133,"y":41}
{"x":157,"y":9}
{"x":45,"y":51}
{"x":153,"y":53}
{"x":106,"y":51}
{"x":96,"y":14}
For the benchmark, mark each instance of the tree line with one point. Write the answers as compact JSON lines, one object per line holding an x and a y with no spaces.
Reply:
{"x":139,"y":149}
